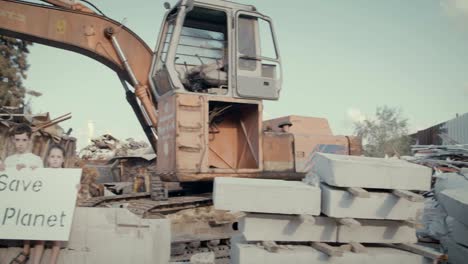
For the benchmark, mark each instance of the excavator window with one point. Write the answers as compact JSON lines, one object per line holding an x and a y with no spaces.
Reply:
{"x":198,"y":50}
{"x":201,"y":57}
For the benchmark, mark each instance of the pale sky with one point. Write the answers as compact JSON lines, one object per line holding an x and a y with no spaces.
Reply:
{"x":341,"y":59}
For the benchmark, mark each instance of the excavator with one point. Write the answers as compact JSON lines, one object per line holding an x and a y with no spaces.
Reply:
{"x":198,"y":96}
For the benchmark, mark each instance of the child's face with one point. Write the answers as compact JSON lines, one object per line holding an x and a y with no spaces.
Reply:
{"x":55,"y":158}
{"x":22,"y":142}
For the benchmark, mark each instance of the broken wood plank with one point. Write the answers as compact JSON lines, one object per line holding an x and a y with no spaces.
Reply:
{"x":349,"y":222}
{"x":270,"y":246}
{"x":358,"y":247}
{"x":410,"y":196}
{"x":327,"y":249}
{"x":346,"y":247}
{"x":358,"y":192}
{"x":413,"y":224}
{"x":420,"y":250}
{"x":307,"y":219}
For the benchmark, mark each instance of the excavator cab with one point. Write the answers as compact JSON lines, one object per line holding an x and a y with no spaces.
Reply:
{"x":218,"y":48}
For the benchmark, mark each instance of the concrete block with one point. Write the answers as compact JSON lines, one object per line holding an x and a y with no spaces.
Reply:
{"x":380,"y":205}
{"x":366,"y":172}
{"x":377,"y":231}
{"x":133,"y":239}
{"x":458,"y":231}
{"x":252,"y":254}
{"x":269,"y":227}
{"x":457,"y":254}
{"x":455,"y":203}
{"x":266,"y":196}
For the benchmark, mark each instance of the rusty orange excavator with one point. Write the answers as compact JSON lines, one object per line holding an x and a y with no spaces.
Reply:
{"x":198,"y":96}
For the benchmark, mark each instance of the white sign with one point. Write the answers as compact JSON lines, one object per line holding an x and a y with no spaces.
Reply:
{"x":37,"y":204}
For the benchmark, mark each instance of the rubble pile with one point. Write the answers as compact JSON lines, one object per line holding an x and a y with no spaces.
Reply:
{"x":445,"y":216}
{"x":348,"y":209}
{"x":107,"y":147}
{"x":441,"y":157}
{"x":46,"y":132}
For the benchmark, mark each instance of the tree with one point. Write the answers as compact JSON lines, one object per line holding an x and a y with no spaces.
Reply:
{"x":387,"y":134}
{"x":13,"y":67}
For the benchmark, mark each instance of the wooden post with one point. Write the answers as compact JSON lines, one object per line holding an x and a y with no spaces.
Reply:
{"x":413,"y":224}
{"x":270,"y":246}
{"x":358,"y":192}
{"x":420,"y":250}
{"x":349,"y":222}
{"x":358,"y":247}
{"x":307,"y":219}
{"x":327,"y":249}
{"x":410,"y":196}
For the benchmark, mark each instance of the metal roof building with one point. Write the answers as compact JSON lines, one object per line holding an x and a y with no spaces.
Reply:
{"x":454,"y":131}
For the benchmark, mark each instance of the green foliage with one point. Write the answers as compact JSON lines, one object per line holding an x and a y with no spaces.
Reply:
{"x":13,"y":67}
{"x":387,"y":134}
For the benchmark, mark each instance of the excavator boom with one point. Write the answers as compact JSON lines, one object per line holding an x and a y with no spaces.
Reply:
{"x":76,"y":31}
{"x":89,"y":34}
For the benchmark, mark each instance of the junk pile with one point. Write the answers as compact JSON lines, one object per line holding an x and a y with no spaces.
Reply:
{"x":348,"y":209}
{"x":446,"y":207}
{"x":107,"y":147}
{"x":445,"y":214}
{"x":46,"y":132}
{"x":447,"y":158}
{"x":119,"y":167}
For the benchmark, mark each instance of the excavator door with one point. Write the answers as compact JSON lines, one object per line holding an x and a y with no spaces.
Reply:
{"x":258,"y":72}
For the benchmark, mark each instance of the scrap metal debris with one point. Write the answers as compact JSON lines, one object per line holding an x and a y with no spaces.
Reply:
{"x":107,"y":147}
{"x":447,"y":158}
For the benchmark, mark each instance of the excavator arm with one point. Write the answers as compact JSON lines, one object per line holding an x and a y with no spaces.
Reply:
{"x":76,"y":28}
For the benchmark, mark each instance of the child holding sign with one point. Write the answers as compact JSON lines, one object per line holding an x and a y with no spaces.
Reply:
{"x":55,"y":159}
{"x":23,"y":158}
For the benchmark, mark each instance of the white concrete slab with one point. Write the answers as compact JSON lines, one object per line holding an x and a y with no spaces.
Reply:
{"x":380,"y":205}
{"x":269,"y":227}
{"x":455,"y":203}
{"x":458,"y":231}
{"x":115,"y":235}
{"x":252,"y":254}
{"x":266,"y":196}
{"x":366,"y":172}
{"x":457,"y":254}
{"x":377,"y":231}
{"x":110,"y":235}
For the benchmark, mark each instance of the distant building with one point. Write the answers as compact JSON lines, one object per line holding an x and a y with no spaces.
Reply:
{"x":454,"y":131}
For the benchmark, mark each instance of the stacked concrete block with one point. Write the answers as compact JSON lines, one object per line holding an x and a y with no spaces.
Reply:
{"x":377,"y":231}
{"x":371,"y":198}
{"x":282,"y":225}
{"x":337,"y":202}
{"x":268,"y":227}
{"x":372,"y":188}
{"x":253,"y":254}
{"x":275,"y":211}
{"x":365,"y":172}
{"x":266,"y":196}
